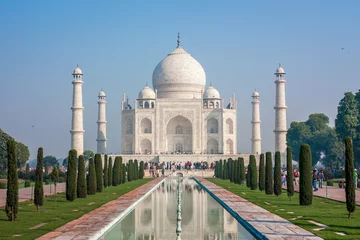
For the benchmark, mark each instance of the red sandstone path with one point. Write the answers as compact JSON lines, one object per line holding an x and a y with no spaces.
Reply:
{"x":25,"y":193}
{"x":334,"y":193}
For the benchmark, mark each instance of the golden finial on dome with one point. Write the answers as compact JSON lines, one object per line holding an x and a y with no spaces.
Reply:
{"x":178,"y":40}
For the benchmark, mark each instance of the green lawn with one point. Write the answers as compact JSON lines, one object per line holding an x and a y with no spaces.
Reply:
{"x":59,"y":214}
{"x":331,"y":213}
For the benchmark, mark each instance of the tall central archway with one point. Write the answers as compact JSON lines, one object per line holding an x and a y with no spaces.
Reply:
{"x":179,"y":135}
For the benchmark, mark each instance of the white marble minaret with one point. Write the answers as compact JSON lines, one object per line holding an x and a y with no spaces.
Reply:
{"x":77,"y":130}
{"x":101,"y":137}
{"x":280,"y":111}
{"x":256,"y":132}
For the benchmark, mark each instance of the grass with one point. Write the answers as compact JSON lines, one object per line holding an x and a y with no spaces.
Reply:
{"x":331,"y":213}
{"x":59,"y":214}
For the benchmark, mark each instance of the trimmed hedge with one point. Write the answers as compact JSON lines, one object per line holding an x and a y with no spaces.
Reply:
{"x":306,"y":188}
{"x":91,"y":178}
{"x":330,"y":183}
{"x":12,"y":194}
{"x":110,"y":174}
{"x":277,"y":174}
{"x":253,"y":173}
{"x":99,"y":173}
{"x":269,"y":188}
{"x":106,"y":177}
{"x":39,"y":190}
{"x":27,"y":183}
{"x":81,"y":181}
{"x":71,"y":176}
{"x":242,"y":170}
{"x":349,"y":176}
{"x":289,"y":173}
{"x":262,"y":172}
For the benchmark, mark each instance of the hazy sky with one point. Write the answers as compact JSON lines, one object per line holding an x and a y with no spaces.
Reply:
{"x":118,"y":44}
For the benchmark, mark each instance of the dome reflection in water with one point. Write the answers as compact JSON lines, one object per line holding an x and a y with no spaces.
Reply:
{"x":155,"y":217}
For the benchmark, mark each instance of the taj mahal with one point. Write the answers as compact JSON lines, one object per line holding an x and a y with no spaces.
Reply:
{"x":179,"y":116}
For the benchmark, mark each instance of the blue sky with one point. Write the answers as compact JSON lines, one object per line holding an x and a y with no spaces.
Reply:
{"x":118,"y":44}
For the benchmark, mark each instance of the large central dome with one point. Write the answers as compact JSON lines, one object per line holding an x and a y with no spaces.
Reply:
{"x":179,"y":75}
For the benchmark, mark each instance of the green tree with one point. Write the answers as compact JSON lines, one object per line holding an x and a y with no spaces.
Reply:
{"x":81,"y":180}
{"x":91,"y":178}
{"x":110,"y":174}
{"x":115,"y":173}
{"x":130,"y":171}
{"x":236,"y":167}
{"x":305,"y":192}
{"x":253,"y":173}
{"x":242,"y":171}
{"x":123,"y":173}
{"x":346,"y":121}
{"x":46,"y":173}
{"x":23,"y":154}
{"x":141,"y":170}
{"x":136,"y":170}
{"x":232,"y":168}
{"x":50,"y":161}
{"x":220,"y":173}
{"x":225,"y":175}
{"x":106,"y":171}
{"x":54,"y":175}
{"x":12,"y":194}
{"x":248,"y":183}
{"x":277,"y":174}
{"x":120,"y":171}
{"x":269,"y":187}
{"x":71,"y":176}
{"x":349,"y":176}
{"x":88,"y":154}
{"x":99,"y":173}
{"x":262,"y":172}
{"x":39,"y":191}
{"x":27,"y":171}
{"x":289,"y":173}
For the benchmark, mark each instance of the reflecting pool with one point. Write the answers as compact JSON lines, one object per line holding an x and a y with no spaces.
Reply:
{"x":155,"y":218}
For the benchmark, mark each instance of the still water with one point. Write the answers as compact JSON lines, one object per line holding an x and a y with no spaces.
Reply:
{"x":155,"y":218}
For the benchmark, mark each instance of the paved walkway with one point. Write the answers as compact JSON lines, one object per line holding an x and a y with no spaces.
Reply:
{"x":95,"y":223}
{"x":334,"y":193}
{"x":26,"y":194}
{"x":270,"y":225}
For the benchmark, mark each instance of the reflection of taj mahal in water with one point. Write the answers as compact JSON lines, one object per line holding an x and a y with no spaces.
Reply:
{"x":202,"y":217}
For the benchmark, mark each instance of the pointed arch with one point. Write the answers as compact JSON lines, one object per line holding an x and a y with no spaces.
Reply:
{"x":229,"y":126}
{"x":212,"y":125}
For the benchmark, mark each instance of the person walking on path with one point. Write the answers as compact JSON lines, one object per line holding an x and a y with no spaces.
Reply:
{"x":321,"y":178}
{"x":314,"y":178}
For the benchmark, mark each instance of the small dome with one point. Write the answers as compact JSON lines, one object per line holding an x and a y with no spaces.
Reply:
{"x":77,"y":70}
{"x":256,"y":94}
{"x":280,"y":69}
{"x":147,"y":93}
{"x":211,"y":92}
{"x":102,"y":94}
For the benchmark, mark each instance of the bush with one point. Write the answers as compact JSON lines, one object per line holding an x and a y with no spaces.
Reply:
{"x":330,"y":183}
{"x":328,"y":174}
{"x":277,"y":174}
{"x":91,"y":178}
{"x":99,"y":173}
{"x":39,"y":190}
{"x":47,"y":182}
{"x":27,"y":184}
{"x":3,"y":185}
{"x":305,"y":161}
{"x":349,"y":176}
{"x":262,"y":173}
{"x":62,"y":179}
{"x":71,"y":176}
{"x":269,"y":187}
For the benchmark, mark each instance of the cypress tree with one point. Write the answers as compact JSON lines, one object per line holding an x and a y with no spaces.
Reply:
{"x":115,"y":175}
{"x":262,"y":173}
{"x":305,"y":192}
{"x":231,"y":175}
{"x":81,"y":190}
{"x":277,"y":174}
{"x":99,"y":173}
{"x":349,"y":176}
{"x":136,"y":170}
{"x":119,"y":171}
{"x":71,"y":176}
{"x":110,"y":174}
{"x":55,"y":178}
{"x":248,"y":175}
{"x":27,"y":171}
{"x":253,"y":173}
{"x":91,"y":178}
{"x":130,"y":171}
{"x":141,"y":170}
{"x":289,"y":173}
{"x":220,"y":172}
{"x":242,"y":171}
{"x":105,"y":171}
{"x":123,"y":171}
{"x":229,"y":168}
{"x":46,"y":173}
{"x":12,"y":194}
{"x":268,"y":175}
{"x":225,"y":171}
{"x":233,"y":170}
{"x":236,"y":166}
{"x":39,"y":190}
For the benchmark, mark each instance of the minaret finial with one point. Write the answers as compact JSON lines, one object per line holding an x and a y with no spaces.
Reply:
{"x":210,"y":83}
{"x":178,"y":40}
{"x":77,"y":65}
{"x":147,"y":83}
{"x":279,"y":64}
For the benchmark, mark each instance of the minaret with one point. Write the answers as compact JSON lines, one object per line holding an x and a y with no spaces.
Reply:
{"x":256,"y":133}
{"x":101,"y":138}
{"x":280,"y":111}
{"x":77,"y":131}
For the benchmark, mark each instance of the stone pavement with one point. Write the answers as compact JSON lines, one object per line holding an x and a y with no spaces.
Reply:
{"x":334,"y":193}
{"x":270,"y":225}
{"x":25,"y":194}
{"x":96,"y":222}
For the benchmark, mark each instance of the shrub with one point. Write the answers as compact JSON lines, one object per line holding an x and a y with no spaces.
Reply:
{"x":330,"y":183}
{"x":110,"y":174}
{"x":91,"y":178}
{"x":39,"y":191}
{"x":328,"y":174}
{"x":99,"y":173}
{"x":71,"y":176}
{"x":305,"y":161}
{"x":277,"y":174}
{"x":349,"y":176}
{"x":62,"y":179}
{"x":289,"y":173}
{"x":105,"y":171}
{"x":242,"y":171}
{"x":12,"y":194}
{"x":253,"y":173}
{"x":3,"y":185}
{"x":47,"y":182}
{"x":269,"y":188}
{"x":81,"y":190}
{"x":262,"y":173}
{"x":27,"y":184}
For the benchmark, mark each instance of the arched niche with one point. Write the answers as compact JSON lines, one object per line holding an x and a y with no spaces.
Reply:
{"x":146,"y":126}
{"x":212,"y":125}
